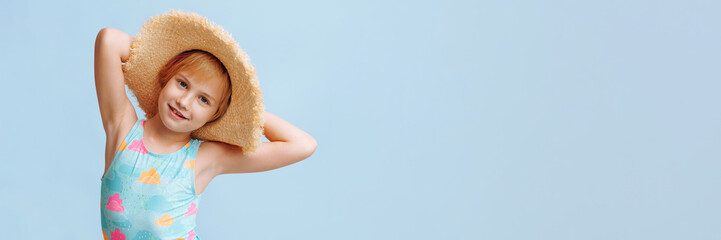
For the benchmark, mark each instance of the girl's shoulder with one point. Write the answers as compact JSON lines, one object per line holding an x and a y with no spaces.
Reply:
{"x":208,"y":153}
{"x":125,"y":129}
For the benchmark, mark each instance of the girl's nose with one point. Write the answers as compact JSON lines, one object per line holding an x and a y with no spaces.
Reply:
{"x":185,"y":101}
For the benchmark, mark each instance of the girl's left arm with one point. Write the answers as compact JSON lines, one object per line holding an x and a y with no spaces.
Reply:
{"x":278,"y":130}
{"x":288,"y":144}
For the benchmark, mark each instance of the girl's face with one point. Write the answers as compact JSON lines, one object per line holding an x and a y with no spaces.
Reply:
{"x":186,"y":103}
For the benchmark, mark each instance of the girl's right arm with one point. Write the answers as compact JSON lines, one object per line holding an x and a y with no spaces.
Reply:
{"x":112,"y":47}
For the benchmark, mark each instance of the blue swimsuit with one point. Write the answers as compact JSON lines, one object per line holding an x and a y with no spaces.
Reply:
{"x":145,"y":195}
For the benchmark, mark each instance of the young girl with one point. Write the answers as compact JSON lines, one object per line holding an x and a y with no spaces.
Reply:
{"x":155,"y":168}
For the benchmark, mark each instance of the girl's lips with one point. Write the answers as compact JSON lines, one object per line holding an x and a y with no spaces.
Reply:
{"x":175,"y":115}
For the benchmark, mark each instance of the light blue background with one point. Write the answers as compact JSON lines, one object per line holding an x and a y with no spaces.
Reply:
{"x":434,"y":119}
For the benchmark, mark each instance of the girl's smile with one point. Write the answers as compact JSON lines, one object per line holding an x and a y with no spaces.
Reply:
{"x":176,"y":113}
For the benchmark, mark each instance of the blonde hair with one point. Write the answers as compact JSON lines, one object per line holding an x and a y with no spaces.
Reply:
{"x":203,"y":64}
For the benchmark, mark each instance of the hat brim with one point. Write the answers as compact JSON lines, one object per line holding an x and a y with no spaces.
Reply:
{"x":163,"y":37}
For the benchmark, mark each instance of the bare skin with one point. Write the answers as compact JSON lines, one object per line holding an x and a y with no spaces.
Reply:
{"x":165,"y":134}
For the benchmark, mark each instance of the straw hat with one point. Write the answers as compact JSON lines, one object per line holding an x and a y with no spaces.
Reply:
{"x":166,"y":35}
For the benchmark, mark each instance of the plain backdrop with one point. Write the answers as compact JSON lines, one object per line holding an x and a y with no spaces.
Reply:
{"x":434,"y":119}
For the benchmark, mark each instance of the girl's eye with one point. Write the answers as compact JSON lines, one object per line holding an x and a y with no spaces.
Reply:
{"x":204,"y":100}
{"x":182,"y":84}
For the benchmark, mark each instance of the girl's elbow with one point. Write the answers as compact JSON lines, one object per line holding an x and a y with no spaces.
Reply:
{"x":313,"y":145}
{"x":310,"y":147}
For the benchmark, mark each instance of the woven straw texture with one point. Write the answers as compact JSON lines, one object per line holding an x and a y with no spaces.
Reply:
{"x":164,"y":36}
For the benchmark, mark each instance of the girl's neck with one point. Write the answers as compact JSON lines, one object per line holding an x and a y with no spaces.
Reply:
{"x":158,"y":134}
